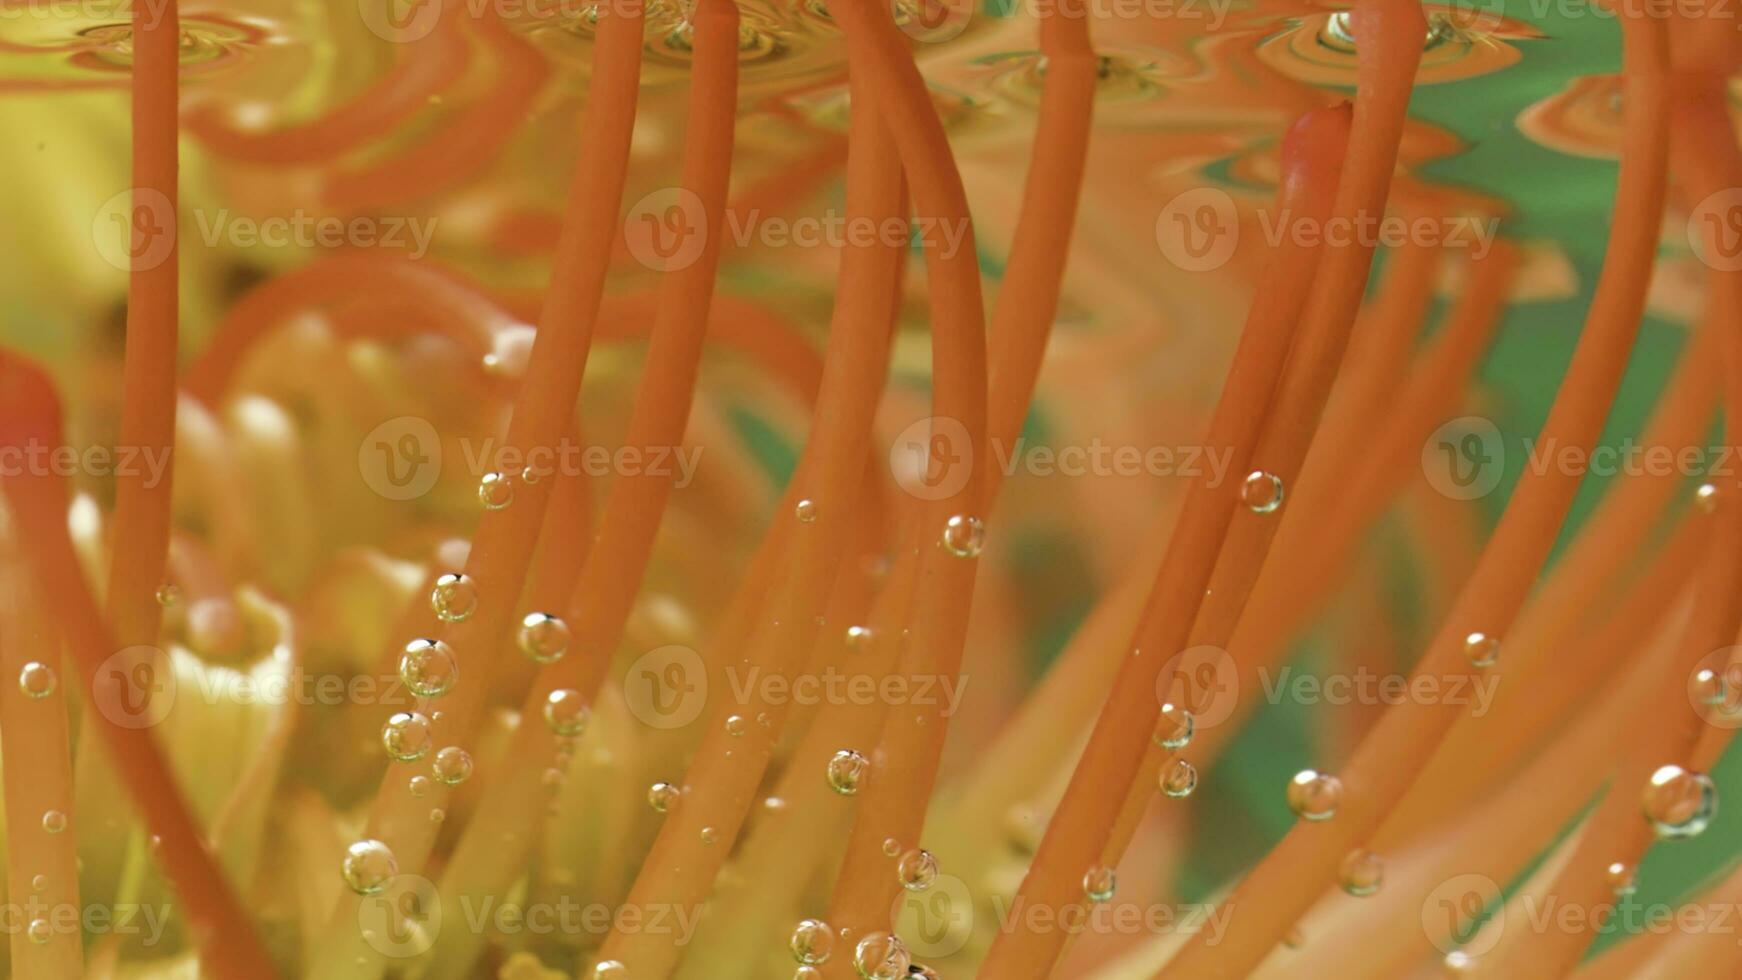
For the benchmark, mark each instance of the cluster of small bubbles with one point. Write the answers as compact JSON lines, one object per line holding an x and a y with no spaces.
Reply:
{"x":1180,"y":779}
{"x":805,"y":511}
{"x":1361,"y":873}
{"x":367,"y":867}
{"x":735,"y":725}
{"x":846,"y":771}
{"x":1099,"y":883}
{"x":812,"y":942}
{"x":54,"y":821}
{"x":1679,"y":803}
{"x":36,"y":680}
{"x":916,"y":870}
{"x":1706,"y":498}
{"x":964,"y":536}
{"x":1314,"y":795}
{"x":168,"y":594}
{"x":566,"y":712}
{"x":858,"y":637}
{"x":1261,"y":492}
{"x":1174,"y":732}
{"x":406,"y":736}
{"x":495,"y":491}
{"x":543,"y":638}
{"x":709,"y":835}
{"x":1620,"y":876}
{"x":40,"y":931}
{"x":429,"y":668}
{"x":662,"y":796}
{"x":420,"y":785}
{"x":610,"y":970}
{"x":1481,"y":649}
{"x":454,"y":597}
{"x":452,"y":765}
{"x":881,"y":956}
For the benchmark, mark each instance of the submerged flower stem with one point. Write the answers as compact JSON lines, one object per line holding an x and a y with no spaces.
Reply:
{"x":912,"y":737}
{"x":1443,"y":368}
{"x":1077,"y":835}
{"x":1666,"y":729}
{"x":787,"y":844}
{"x":729,"y":764}
{"x":491,"y":852}
{"x":1532,"y":693}
{"x":503,"y":547}
{"x":30,"y":414}
{"x":36,"y":762}
{"x":1298,"y":870}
